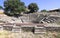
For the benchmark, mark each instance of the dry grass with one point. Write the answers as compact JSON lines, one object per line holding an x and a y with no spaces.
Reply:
{"x":7,"y":34}
{"x":1,"y":12}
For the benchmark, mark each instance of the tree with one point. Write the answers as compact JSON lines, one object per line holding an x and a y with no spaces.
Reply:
{"x":43,"y":10}
{"x":33,"y":7}
{"x":1,"y":7}
{"x":14,"y":7}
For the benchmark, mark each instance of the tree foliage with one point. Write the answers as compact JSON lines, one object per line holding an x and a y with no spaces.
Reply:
{"x":33,"y":7}
{"x":43,"y":10}
{"x":1,"y":7}
{"x":14,"y":7}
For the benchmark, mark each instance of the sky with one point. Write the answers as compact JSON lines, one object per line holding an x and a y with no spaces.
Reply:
{"x":42,"y":4}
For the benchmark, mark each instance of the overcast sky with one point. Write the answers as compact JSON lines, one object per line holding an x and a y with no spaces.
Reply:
{"x":43,"y":4}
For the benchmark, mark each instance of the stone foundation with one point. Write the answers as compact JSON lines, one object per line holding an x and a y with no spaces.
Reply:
{"x":35,"y":28}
